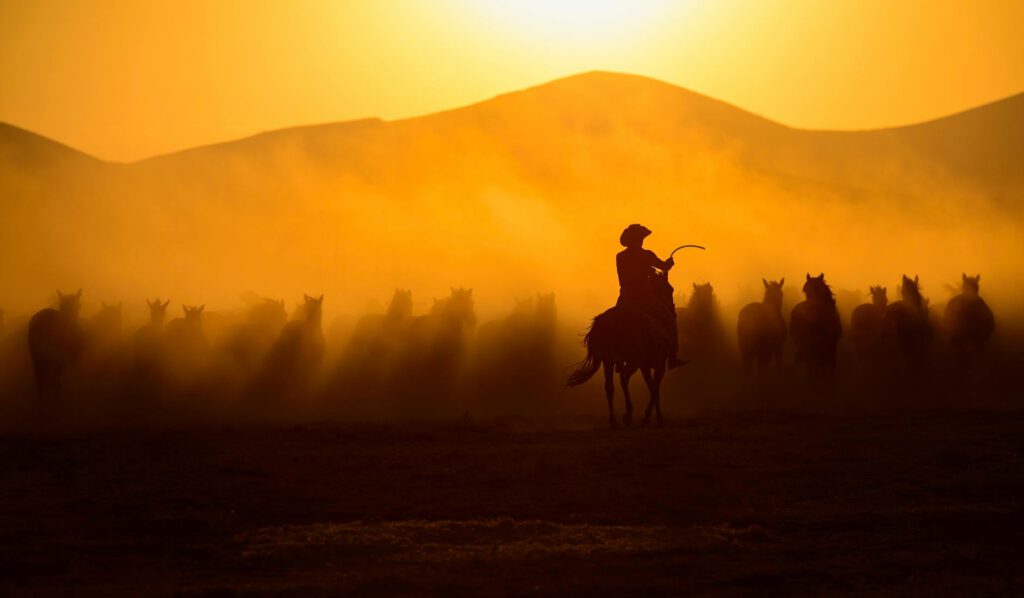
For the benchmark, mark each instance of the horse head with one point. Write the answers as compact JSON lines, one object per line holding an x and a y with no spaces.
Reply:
{"x":193,"y":314}
{"x":910,"y":290}
{"x":816,"y":289}
{"x":70,"y":304}
{"x":400,"y":307}
{"x":703,"y":297}
{"x":878,"y":296}
{"x":523,"y":307}
{"x":157,"y":310}
{"x":773,"y":291}
{"x":457,"y":307}
{"x":970,"y":284}
{"x":312,"y":308}
{"x":546,"y":307}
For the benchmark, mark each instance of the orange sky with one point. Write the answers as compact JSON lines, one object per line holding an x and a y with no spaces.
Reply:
{"x":126,"y":80}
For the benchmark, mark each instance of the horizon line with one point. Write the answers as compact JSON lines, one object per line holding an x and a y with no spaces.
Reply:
{"x":379,"y":119}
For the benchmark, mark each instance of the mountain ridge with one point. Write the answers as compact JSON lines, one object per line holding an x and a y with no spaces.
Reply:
{"x":589,"y":78}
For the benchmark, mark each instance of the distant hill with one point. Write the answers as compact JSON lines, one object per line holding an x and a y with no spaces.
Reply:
{"x":27,"y":152}
{"x":533,"y":185}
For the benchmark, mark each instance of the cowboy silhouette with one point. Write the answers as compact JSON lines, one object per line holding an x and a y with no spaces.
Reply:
{"x":636,"y":266}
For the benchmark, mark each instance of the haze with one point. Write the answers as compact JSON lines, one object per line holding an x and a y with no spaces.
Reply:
{"x":521,"y":194}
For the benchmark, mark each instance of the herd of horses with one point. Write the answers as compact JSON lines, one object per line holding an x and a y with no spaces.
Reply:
{"x":268,"y":362}
{"x":900,"y":332}
{"x":258,"y":362}
{"x":896,"y":335}
{"x":159,"y":354}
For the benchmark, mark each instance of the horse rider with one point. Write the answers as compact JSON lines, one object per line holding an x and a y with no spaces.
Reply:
{"x":636,"y":267}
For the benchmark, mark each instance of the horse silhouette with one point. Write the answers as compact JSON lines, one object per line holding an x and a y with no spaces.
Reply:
{"x":815,"y":328}
{"x":148,"y":336}
{"x":249,"y":341}
{"x":968,"y":321}
{"x":627,"y":339}
{"x":522,"y":342}
{"x":55,"y":342}
{"x":699,"y":324}
{"x":761,"y":330}
{"x":364,"y":374}
{"x":185,"y":344}
{"x":431,"y":357}
{"x":376,"y":336}
{"x":294,"y":360}
{"x":103,"y":356}
{"x":143,"y":382}
{"x":907,"y":325}
{"x":866,"y":325}
{"x":526,"y":334}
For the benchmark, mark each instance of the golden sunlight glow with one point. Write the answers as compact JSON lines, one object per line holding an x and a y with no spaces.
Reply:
{"x":575,"y":21}
{"x":125,"y":81}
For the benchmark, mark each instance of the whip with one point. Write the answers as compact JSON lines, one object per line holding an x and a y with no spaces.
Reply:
{"x":684,"y":247}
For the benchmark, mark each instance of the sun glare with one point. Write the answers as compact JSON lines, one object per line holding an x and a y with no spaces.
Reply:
{"x":574,"y":20}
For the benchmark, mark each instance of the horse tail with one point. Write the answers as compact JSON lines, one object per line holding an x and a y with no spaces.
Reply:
{"x":590,"y":364}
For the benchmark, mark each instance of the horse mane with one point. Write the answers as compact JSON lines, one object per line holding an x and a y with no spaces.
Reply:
{"x":703,"y":296}
{"x":912,"y":289}
{"x":817,"y":288}
{"x":970,"y":284}
{"x":772,"y":291}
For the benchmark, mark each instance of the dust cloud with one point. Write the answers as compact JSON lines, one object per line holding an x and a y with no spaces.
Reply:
{"x":501,"y":221}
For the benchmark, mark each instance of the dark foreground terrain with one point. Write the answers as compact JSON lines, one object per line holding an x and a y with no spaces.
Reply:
{"x":917,"y":502}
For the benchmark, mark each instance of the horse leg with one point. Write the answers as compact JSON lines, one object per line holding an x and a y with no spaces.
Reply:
{"x":48,"y":385}
{"x":648,"y":379}
{"x":659,"y":374}
{"x":624,"y":376}
{"x":609,"y":392}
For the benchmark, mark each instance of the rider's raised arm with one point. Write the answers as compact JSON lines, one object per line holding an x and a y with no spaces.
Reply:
{"x":656,"y":262}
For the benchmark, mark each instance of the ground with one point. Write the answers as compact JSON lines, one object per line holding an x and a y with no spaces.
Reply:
{"x":916,"y":502}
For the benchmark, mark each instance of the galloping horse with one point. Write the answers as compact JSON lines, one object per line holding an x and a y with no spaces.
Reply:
{"x":628,"y":340}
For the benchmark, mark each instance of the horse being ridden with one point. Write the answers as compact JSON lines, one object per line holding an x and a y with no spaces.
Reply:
{"x":638,"y":333}
{"x":55,"y":341}
{"x":761,"y":330}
